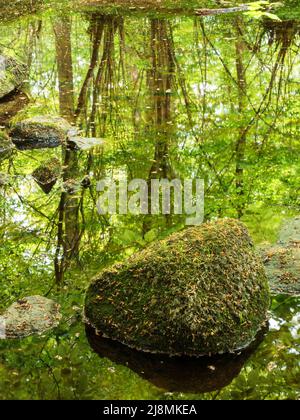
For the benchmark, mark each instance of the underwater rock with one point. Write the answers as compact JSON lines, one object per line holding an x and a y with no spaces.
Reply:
{"x":47,"y":174}
{"x":282,"y":260}
{"x":12,"y":74}
{"x":200,"y":291}
{"x":29,"y":316}
{"x":176,"y":374}
{"x":41,"y":132}
{"x":6,"y":146}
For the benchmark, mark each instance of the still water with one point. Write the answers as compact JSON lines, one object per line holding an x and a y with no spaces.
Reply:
{"x":170,"y":95}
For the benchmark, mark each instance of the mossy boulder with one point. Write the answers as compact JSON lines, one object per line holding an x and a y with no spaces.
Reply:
{"x":12,"y":75}
{"x":200,"y":291}
{"x":6,"y":146}
{"x":41,"y":132}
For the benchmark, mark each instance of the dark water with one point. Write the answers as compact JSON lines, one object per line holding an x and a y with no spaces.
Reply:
{"x":213,"y":97}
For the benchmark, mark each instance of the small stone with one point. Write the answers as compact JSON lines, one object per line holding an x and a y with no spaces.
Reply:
{"x":30,"y":316}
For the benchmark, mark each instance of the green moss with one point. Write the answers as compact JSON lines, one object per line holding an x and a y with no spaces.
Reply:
{"x":202,"y":290}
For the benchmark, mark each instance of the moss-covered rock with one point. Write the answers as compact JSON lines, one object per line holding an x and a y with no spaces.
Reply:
{"x":200,"y":291}
{"x":41,"y":132}
{"x":6,"y":146}
{"x":12,"y":75}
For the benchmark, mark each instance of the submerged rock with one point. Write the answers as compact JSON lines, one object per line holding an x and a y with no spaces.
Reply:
{"x":200,"y":291}
{"x":12,"y":75}
{"x":47,"y":174}
{"x":176,"y":374}
{"x":282,"y":260}
{"x":6,"y":146}
{"x":29,"y":316}
{"x":41,"y":132}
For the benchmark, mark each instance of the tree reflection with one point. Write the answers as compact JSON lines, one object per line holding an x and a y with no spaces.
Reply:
{"x":180,"y":97}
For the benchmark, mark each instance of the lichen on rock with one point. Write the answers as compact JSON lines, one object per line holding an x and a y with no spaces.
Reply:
{"x":29,"y":316}
{"x":200,"y":291}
